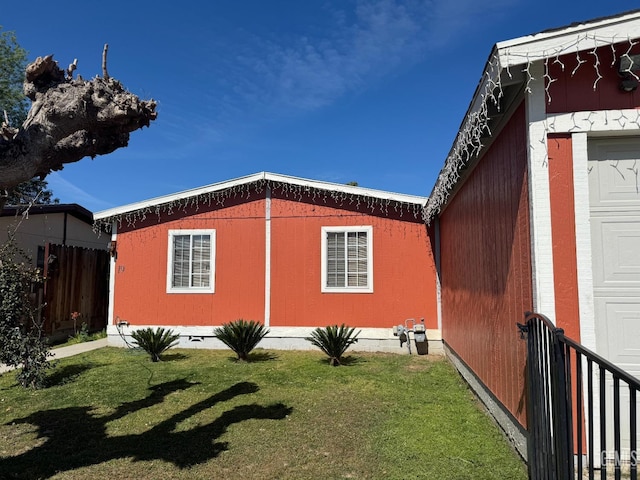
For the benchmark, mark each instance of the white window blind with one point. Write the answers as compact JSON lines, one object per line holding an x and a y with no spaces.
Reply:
{"x":190,"y":261}
{"x":347,"y":259}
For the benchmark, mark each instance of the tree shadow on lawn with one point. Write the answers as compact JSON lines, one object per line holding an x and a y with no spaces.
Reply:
{"x":254,"y":357}
{"x":75,"y":437}
{"x":65,"y":374}
{"x":262,"y":356}
{"x":62,"y":375}
{"x":172,"y":357}
{"x":346,"y":361}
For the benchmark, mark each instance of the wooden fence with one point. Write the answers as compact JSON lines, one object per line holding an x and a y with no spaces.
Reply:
{"x":77,"y":280}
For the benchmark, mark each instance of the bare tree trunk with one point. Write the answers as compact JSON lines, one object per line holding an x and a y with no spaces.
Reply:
{"x":69,"y":119}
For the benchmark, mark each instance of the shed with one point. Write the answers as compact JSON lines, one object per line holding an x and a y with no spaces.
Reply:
{"x":537,"y":206}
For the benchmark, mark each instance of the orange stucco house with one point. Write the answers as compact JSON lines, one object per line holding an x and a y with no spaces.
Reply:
{"x":291,"y":253}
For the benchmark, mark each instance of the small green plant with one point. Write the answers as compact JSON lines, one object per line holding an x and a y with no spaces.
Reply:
{"x":80,"y":336}
{"x":241,"y":336}
{"x":333,"y":340}
{"x":154,"y":342}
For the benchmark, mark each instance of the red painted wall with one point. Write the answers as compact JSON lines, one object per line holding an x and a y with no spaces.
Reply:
{"x":486,"y":267}
{"x":403,"y":277}
{"x":141,"y":270}
{"x":404,"y":271}
{"x":563,"y":236}
{"x":573,"y":90}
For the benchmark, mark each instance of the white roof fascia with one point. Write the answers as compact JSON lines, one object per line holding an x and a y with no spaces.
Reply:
{"x":571,"y":39}
{"x":264,"y":176}
{"x":177,"y":196}
{"x":349,"y":189}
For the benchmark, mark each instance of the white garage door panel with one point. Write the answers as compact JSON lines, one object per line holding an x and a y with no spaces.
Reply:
{"x":614,"y":179}
{"x":621,"y":331}
{"x":618,"y":240}
{"x":618,"y":335}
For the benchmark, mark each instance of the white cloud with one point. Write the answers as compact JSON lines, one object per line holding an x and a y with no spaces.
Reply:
{"x":311,"y":72}
{"x":353,"y":51}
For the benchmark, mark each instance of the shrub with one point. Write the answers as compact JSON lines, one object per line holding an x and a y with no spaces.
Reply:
{"x":154,"y":342}
{"x":21,"y":334}
{"x":333,"y":341}
{"x":241,"y":336}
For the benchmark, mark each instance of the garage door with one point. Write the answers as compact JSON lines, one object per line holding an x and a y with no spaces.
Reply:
{"x":614,"y":192}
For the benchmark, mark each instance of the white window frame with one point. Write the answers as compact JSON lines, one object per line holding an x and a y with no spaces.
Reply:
{"x":212,"y":260}
{"x":368,"y":229}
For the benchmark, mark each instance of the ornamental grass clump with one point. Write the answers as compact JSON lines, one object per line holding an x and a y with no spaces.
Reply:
{"x":154,"y":342}
{"x":334,"y":340}
{"x":241,"y":336}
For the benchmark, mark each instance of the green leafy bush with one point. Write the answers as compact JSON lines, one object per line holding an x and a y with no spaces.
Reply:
{"x":154,"y":342}
{"x":241,"y":336}
{"x":22,"y":343}
{"x":333,"y":340}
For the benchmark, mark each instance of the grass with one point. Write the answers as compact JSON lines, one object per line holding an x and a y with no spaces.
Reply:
{"x":199,"y":414}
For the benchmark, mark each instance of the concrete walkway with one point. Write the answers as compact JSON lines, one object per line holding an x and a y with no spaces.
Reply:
{"x":69,"y":351}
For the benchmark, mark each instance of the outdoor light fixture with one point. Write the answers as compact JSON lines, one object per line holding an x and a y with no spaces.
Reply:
{"x":628,"y":69}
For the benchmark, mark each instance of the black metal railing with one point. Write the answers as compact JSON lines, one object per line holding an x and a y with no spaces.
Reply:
{"x":581,"y":409}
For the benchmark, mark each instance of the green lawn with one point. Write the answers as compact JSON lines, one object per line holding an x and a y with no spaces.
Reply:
{"x":199,"y":414}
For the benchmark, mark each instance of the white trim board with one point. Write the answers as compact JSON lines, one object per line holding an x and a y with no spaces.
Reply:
{"x":584,"y":263}
{"x":539,"y":195}
{"x":267,"y":257}
{"x":112,"y":278}
{"x":609,"y":122}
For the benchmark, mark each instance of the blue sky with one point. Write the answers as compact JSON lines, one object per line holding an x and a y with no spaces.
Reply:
{"x":371,"y":91}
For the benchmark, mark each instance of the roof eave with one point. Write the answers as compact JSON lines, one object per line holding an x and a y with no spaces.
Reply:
{"x":266,"y":177}
{"x":553,"y":43}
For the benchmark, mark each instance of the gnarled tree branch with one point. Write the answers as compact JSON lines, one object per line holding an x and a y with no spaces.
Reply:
{"x":69,"y":119}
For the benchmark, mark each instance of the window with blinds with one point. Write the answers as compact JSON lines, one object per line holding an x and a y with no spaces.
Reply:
{"x":347,"y":259}
{"x":191,"y":261}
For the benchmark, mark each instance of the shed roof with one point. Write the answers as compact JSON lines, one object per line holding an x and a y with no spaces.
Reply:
{"x":504,"y":76}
